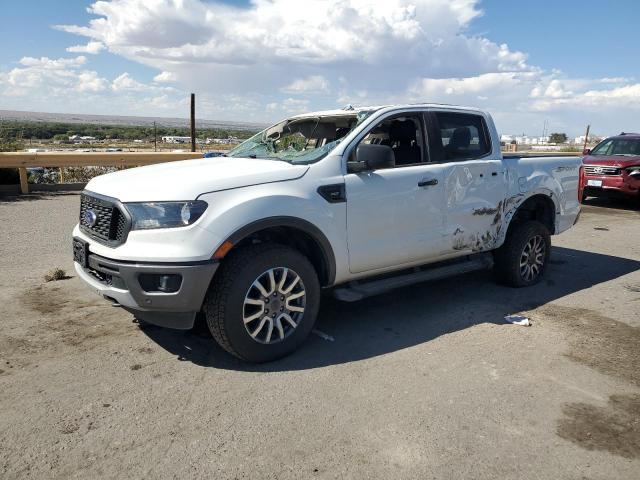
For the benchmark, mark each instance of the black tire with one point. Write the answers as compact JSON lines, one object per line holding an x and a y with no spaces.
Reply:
{"x":509,"y":256}
{"x":224,"y":306}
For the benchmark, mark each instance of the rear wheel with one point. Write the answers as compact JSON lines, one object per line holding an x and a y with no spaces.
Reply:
{"x":263,"y":302}
{"x":523,"y":258}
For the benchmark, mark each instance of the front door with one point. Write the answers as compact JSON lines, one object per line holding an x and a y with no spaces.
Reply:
{"x":395,"y":215}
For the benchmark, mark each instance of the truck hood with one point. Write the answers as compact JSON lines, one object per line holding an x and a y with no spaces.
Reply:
{"x":186,"y":179}
{"x":611,"y":161}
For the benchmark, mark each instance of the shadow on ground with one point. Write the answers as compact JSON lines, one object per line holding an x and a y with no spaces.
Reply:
{"x":409,"y":316}
{"x":614,"y":203}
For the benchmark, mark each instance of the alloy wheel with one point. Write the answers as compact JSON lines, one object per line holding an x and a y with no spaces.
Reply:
{"x":532,"y":258}
{"x":274,"y":305}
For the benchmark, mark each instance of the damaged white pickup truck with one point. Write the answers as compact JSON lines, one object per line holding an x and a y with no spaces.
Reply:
{"x":358,"y":200}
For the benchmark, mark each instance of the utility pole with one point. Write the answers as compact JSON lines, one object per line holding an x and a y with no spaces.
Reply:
{"x":155,"y":137}
{"x":193,"y":122}
{"x":586,"y":138}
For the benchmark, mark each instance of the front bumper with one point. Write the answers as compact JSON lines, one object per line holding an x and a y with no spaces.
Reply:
{"x":612,"y":185}
{"x":119,"y":281}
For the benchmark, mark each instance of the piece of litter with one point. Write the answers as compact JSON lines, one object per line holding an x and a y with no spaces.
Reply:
{"x":323,"y":335}
{"x":517,"y":320}
{"x":604,"y":229}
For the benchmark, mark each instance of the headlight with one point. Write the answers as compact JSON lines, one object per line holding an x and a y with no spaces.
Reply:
{"x":145,"y":216}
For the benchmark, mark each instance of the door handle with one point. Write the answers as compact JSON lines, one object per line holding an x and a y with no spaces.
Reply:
{"x":428,"y":182}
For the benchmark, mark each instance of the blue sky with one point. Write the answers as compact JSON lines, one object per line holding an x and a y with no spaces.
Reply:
{"x":584,"y":37}
{"x":565,"y":62}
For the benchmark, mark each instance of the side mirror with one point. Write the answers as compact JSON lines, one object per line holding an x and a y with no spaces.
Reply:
{"x":586,"y":151}
{"x":372,"y":157}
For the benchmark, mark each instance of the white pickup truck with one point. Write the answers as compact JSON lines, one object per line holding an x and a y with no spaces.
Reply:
{"x":359,"y":200}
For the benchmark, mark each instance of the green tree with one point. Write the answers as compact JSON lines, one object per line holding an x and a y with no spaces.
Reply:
{"x":558,"y":138}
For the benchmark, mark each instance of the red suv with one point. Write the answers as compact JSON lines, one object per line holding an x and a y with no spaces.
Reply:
{"x":613,"y":167}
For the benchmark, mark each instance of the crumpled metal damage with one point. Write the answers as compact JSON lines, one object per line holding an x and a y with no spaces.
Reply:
{"x":490,"y":239}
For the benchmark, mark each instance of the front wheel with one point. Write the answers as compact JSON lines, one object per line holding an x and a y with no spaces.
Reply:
{"x":263,"y":302}
{"x":523,"y":258}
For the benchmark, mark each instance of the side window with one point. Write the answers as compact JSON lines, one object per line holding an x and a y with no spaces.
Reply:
{"x":464,"y":136}
{"x":405,"y":137}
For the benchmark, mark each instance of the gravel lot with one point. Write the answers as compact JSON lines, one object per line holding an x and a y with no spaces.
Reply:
{"x":425,"y":382}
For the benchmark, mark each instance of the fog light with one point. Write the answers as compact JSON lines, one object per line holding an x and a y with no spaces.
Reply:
{"x":165,"y":283}
{"x":169,"y":283}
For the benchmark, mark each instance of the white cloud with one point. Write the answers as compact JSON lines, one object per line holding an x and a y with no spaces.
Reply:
{"x":65,"y":84}
{"x":556,"y":89}
{"x":626,"y":93}
{"x":45,"y":76}
{"x":295,"y":105}
{"x":89,"y":81}
{"x":274,"y":57}
{"x":91,"y":47}
{"x":288,"y":106}
{"x":225,"y":49}
{"x":625,"y":97}
{"x":125,"y":82}
{"x":310,"y":84}
{"x":615,"y":80}
{"x":487,"y":82}
{"x":52,"y":64}
{"x":165,"y":77}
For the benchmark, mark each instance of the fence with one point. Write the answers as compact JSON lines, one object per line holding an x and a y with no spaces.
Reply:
{"x":24,"y":160}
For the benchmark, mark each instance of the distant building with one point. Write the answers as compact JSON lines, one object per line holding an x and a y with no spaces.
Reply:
{"x":524,"y":140}
{"x":592,"y":139}
{"x":82,"y":139}
{"x":222,"y":141}
{"x":175,"y":139}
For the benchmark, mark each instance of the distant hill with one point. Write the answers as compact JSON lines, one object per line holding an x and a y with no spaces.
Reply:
{"x":17,"y":115}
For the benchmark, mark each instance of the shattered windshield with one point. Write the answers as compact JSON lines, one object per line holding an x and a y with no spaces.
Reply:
{"x":300,"y":140}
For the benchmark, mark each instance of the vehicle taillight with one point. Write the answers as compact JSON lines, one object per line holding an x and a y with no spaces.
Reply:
{"x":581,"y":183}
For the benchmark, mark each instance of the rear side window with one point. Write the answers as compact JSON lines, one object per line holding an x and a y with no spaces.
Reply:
{"x":464,"y":136}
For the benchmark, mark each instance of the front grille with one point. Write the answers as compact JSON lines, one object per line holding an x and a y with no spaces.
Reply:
{"x":110,"y":226}
{"x":597,"y":170}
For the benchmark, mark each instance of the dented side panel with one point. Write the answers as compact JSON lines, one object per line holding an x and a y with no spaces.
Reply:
{"x":481,"y":205}
{"x":554,"y":177}
{"x":475,"y":192}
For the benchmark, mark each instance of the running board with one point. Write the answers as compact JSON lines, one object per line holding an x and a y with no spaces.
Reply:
{"x":355,"y":291}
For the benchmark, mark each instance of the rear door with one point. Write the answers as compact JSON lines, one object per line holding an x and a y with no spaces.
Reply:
{"x":395,"y":215}
{"x":475,"y":180}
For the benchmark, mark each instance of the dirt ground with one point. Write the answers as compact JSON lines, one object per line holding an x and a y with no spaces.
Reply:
{"x":425,"y":382}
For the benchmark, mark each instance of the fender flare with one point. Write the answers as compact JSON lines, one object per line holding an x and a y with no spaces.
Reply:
{"x":514,"y":202}
{"x":299,"y":224}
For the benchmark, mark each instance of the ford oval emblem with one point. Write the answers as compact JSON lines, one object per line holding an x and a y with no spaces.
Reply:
{"x":90,"y":218}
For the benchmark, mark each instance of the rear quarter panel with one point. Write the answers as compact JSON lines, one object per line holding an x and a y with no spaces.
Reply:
{"x":554,"y":177}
